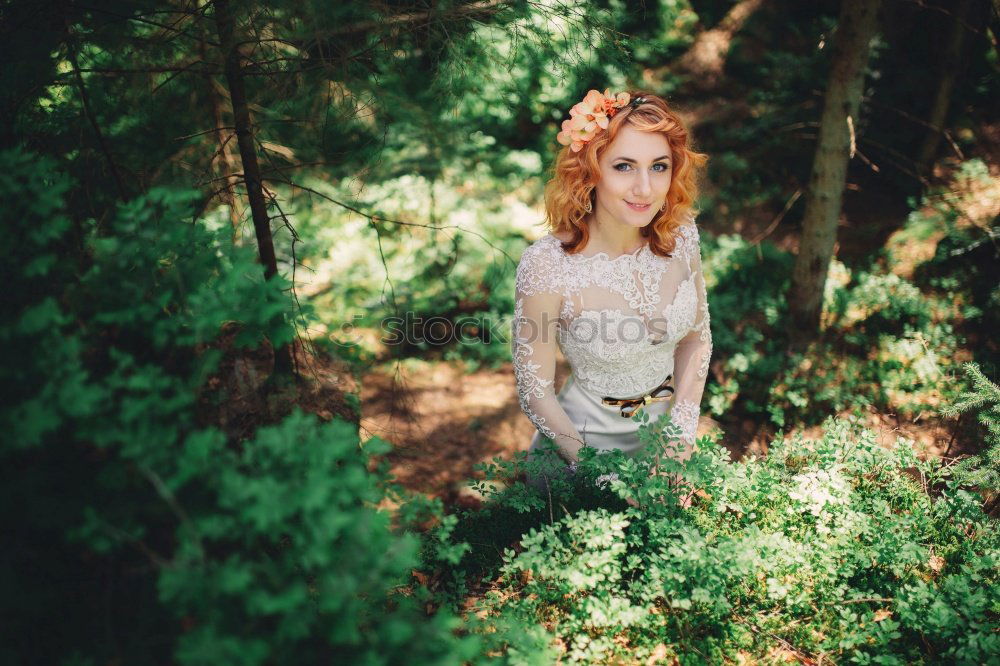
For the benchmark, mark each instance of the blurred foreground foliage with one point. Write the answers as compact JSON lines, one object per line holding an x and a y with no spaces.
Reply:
{"x":160,"y":539}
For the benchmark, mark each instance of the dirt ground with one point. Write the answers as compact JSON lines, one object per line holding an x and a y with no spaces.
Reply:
{"x":442,"y":422}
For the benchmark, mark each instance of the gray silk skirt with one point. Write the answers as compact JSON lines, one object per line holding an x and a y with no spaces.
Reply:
{"x":601,"y":426}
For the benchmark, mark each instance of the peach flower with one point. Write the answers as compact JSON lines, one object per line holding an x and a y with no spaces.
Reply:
{"x":589,"y":117}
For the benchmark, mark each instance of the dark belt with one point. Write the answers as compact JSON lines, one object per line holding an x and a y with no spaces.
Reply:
{"x":630,"y":406}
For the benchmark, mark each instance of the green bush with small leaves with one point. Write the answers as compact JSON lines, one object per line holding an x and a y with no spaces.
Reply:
{"x":834,"y":547}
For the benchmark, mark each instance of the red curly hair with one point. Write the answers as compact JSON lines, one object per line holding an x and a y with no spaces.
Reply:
{"x":574,"y":175}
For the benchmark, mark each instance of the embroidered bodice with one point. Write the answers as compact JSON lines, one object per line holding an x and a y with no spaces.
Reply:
{"x":623,"y":324}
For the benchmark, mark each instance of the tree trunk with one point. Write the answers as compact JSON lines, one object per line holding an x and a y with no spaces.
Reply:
{"x":703,"y":63}
{"x":948,"y":72}
{"x":225,"y":24}
{"x":835,"y":147}
{"x":224,"y":161}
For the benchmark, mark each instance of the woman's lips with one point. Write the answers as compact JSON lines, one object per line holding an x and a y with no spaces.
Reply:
{"x":638,"y":206}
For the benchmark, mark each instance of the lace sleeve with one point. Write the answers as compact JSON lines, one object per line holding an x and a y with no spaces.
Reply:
{"x":533,"y":348}
{"x":693,"y":352}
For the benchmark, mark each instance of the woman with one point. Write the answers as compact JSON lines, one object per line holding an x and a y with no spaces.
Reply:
{"x":617,"y":284}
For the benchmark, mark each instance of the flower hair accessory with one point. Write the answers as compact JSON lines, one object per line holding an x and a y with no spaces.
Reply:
{"x":592,"y":115}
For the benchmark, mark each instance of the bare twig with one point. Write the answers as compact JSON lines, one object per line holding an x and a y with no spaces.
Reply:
{"x":780,"y":216}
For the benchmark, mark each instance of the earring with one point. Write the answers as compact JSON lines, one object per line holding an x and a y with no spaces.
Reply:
{"x":589,"y":207}
{"x":664,"y":206}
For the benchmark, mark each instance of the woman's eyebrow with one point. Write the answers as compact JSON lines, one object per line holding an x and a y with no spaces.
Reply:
{"x":655,"y":159}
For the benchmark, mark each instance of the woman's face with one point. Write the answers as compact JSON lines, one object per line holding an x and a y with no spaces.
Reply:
{"x":635,"y":169}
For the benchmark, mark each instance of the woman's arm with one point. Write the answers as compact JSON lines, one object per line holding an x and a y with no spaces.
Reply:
{"x":536,"y":313}
{"x":692,"y":355}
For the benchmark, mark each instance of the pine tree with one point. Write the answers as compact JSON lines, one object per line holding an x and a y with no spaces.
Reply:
{"x":982,"y":470}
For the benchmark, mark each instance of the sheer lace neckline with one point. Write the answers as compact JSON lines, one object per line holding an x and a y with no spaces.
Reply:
{"x":603,"y":256}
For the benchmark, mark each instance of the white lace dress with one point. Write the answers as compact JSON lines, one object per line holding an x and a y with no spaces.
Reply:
{"x":624,"y":324}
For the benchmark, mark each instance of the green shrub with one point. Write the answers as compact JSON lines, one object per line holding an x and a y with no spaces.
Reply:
{"x":144,"y":535}
{"x":835,"y":546}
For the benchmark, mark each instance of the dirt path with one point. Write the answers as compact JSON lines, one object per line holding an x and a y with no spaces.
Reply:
{"x":443,"y":421}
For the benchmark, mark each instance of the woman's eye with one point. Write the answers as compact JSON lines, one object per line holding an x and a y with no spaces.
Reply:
{"x":625,"y":166}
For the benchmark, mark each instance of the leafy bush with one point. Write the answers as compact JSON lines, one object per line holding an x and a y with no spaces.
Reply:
{"x":746,"y":294}
{"x":291,"y":560}
{"x":835,"y":547}
{"x":885,"y":343}
{"x":153,"y":535}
